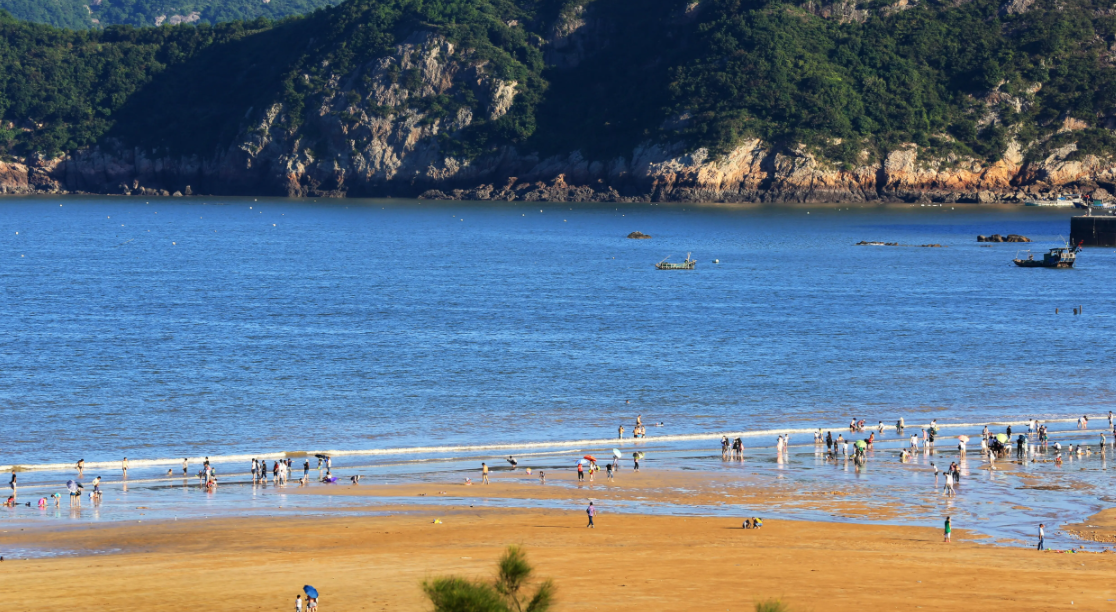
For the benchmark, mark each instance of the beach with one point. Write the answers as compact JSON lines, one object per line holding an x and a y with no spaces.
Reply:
{"x":629,"y":562}
{"x":405,"y":343}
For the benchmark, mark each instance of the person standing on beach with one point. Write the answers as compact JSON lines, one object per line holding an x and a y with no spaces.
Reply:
{"x":124,"y":467}
{"x":591,"y":511}
{"x":609,"y":468}
{"x":298,"y":603}
{"x":1042,"y":535}
{"x":306,"y":469}
{"x":185,"y":466}
{"x":949,"y":484}
{"x":635,"y":460}
{"x":948,"y":529}
{"x":621,"y":430}
{"x":484,"y":473}
{"x":12,"y":483}
{"x":580,"y":472}
{"x":81,"y":467}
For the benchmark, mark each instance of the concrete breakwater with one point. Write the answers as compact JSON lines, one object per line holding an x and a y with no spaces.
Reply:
{"x":1093,"y":231}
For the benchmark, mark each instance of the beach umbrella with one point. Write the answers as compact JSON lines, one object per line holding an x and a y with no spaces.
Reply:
{"x":591,"y":458}
{"x":310,"y":591}
{"x":319,"y":456}
{"x":963,"y":438}
{"x":1002,"y":438}
{"x":861,"y":444}
{"x":72,"y":486}
{"x":616,"y":453}
{"x":582,"y":462}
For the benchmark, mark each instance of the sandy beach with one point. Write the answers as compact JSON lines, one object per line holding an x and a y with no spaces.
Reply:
{"x":629,"y":562}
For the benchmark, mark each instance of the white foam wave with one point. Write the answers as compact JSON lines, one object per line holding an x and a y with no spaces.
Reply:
{"x":195,"y":462}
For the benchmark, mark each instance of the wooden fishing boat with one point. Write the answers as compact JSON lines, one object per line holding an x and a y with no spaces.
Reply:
{"x":686,"y":265}
{"x":1058,"y":257}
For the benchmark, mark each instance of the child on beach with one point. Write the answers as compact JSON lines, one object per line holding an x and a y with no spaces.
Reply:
{"x":484,"y":473}
{"x":542,"y":477}
{"x":298,"y":603}
{"x":591,"y":511}
{"x":609,"y":468}
{"x":948,"y":529}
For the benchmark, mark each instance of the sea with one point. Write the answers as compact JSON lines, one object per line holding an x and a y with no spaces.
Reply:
{"x":403,"y":330}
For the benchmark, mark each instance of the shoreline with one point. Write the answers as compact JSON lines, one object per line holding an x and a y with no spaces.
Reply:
{"x":630,"y":562}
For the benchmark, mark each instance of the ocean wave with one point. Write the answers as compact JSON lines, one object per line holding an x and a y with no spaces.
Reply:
{"x":571,"y":445}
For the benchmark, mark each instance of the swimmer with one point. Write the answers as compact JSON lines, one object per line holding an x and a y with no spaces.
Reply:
{"x":80,"y":467}
{"x":170,"y":473}
{"x":542,"y":477}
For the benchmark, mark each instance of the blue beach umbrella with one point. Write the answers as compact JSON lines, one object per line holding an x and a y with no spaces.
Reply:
{"x":310,"y":591}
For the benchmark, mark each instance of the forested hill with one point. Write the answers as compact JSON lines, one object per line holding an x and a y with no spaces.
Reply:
{"x":731,"y":99}
{"x":94,"y":13}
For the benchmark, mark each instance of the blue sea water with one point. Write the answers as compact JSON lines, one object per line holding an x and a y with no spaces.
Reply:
{"x":164,"y":328}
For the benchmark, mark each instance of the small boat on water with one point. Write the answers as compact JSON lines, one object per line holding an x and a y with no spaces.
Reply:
{"x":1058,"y":257}
{"x":1063,"y":201}
{"x":686,"y":265}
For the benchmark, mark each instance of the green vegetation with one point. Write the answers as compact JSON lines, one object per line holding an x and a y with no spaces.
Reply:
{"x":505,"y":594}
{"x":959,"y":79}
{"x":772,"y":605}
{"x":75,"y":14}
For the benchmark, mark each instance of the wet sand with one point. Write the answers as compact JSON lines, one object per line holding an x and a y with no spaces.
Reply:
{"x":629,"y":562}
{"x":648,"y":487}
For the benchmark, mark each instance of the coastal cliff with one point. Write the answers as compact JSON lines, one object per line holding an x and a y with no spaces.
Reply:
{"x":545,"y":109}
{"x":402,"y":159}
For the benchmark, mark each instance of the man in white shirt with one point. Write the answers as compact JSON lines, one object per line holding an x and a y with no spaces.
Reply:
{"x":949,"y":484}
{"x":1042,"y":536}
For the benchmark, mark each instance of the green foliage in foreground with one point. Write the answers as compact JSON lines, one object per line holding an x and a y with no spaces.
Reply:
{"x":74,"y":14}
{"x":507,"y":594}
{"x":772,"y":605}
{"x":956,"y":78}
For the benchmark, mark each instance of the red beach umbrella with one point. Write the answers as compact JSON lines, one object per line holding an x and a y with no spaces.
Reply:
{"x":591,"y":458}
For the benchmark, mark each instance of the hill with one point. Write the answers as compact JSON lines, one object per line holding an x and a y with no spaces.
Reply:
{"x":77,"y":14}
{"x":607,"y":99}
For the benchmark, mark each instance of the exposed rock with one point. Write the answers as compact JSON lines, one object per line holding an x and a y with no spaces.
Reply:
{"x":999,"y":238}
{"x":1016,"y":7}
{"x":577,"y":35}
{"x":638,"y":236}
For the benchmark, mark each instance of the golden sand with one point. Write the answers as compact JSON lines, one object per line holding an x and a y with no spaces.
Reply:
{"x":629,"y":562}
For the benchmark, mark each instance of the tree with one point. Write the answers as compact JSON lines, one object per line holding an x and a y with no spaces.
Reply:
{"x":507,"y":594}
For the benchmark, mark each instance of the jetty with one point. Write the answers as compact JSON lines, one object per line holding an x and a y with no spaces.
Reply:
{"x":1093,"y":230}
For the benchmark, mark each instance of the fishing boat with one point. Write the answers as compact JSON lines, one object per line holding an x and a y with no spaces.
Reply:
{"x":686,"y":265}
{"x":1058,"y":257}
{"x":1062,"y":201}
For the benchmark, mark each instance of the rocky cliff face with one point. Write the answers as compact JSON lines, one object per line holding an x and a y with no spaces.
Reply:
{"x":375,"y":132}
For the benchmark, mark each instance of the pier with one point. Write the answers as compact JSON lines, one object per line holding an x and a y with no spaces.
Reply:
{"x":1093,"y":230}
